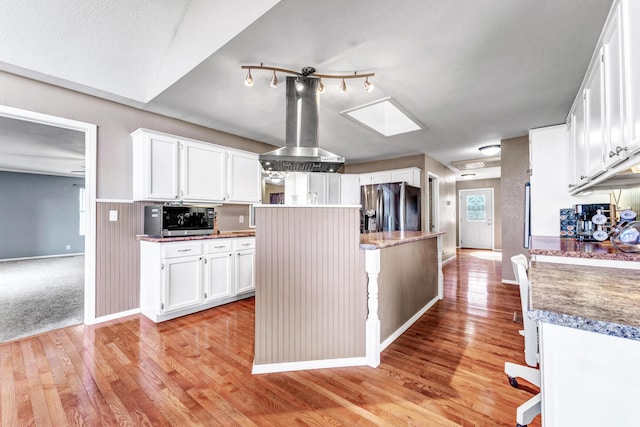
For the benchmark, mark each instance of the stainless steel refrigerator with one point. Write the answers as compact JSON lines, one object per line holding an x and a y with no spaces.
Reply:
{"x":389,"y":207}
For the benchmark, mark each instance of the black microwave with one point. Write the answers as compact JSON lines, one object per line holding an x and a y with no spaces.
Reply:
{"x":166,"y":221}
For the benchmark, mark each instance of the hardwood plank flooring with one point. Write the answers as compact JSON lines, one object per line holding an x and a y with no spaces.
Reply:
{"x":446,"y":370}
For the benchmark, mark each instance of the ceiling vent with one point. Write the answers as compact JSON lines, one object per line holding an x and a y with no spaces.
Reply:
{"x":465,"y":165}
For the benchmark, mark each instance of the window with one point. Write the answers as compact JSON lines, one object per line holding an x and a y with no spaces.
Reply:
{"x":476,"y":208}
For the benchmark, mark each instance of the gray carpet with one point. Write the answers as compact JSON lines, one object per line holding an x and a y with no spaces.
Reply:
{"x":40,"y":295}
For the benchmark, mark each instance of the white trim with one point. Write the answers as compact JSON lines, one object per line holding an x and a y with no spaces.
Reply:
{"x":435,"y":199}
{"x":114,"y":316}
{"x":509,"y":282}
{"x":307,"y":365}
{"x":114,"y":201}
{"x":41,"y":257}
{"x":90,"y":154}
{"x":402,"y":329}
{"x":448,"y":260}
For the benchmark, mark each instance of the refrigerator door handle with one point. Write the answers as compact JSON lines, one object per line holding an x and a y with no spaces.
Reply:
{"x":379,"y":210}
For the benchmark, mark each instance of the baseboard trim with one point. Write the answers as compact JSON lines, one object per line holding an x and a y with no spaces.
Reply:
{"x":402,"y":329}
{"x":269,"y":368}
{"x":114,"y":316}
{"x":41,"y":257}
{"x":448,"y":260}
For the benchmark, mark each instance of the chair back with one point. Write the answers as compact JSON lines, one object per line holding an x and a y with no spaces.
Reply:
{"x":520,"y":266}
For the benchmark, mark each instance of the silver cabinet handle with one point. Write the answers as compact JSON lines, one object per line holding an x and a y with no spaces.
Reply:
{"x":246,"y":244}
{"x":219,"y":247}
{"x":184,"y":250}
{"x":613,"y":153}
{"x":620,"y":149}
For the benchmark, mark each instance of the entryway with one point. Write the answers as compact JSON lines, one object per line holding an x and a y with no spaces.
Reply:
{"x":476,"y":218}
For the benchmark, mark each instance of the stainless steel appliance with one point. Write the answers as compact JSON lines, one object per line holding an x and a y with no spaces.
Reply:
{"x":389,"y":207}
{"x":301,"y":152}
{"x":594,"y":221}
{"x":165,"y":221}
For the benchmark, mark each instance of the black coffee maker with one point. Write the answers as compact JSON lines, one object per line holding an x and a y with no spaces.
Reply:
{"x":586,"y":227}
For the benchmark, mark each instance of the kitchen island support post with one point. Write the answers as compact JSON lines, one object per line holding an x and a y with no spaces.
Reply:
{"x":372,"y":267}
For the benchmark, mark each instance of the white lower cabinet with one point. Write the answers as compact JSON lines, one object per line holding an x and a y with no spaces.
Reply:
{"x":245,"y":254}
{"x":179,"y":278}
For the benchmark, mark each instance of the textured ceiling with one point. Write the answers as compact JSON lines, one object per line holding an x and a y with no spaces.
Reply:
{"x":473,"y":72}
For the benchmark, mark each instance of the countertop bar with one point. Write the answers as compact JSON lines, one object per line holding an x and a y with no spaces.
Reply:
{"x":223,"y":235}
{"x":384,"y":239}
{"x":591,"y":298}
{"x":567,"y":247}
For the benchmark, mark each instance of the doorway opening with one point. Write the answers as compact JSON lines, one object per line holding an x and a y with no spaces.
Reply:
{"x":84,"y":190}
{"x":433,"y":202}
{"x":476,"y":223}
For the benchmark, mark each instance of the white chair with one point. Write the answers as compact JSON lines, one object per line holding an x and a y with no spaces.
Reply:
{"x":531,"y":408}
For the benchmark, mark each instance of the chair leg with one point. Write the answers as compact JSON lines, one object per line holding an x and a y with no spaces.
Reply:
{"x":529,"y":410}
{"x":518,"y":371}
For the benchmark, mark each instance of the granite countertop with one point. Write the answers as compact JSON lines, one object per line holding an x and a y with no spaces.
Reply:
{"x":596,"y":299}
{"x":567,"y":247}
{"x":385,"y":239}
{"x":223,"y":235}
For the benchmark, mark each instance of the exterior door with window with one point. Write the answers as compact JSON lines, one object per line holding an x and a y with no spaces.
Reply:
{"x":476,"y":218}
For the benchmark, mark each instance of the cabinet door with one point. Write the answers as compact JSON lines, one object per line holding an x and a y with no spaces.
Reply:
{"x":594,"y":113}
{"x":296,"y":186}
{"x":219,"y":275}
{"x":244,"y":265}
{"x":317,"y":185}
{"x":244,"y":177}
{"x":411,"y":176}
{"x":631,"y":42}
{"x":181,"y":283}
{"x":381,"y":178}
{"x":160,"y":172}
{"x":349,"y":189}
{"x":203,"y":177}
{"x":333,"y":186}
{"x":613,"y":91}
{"x":579,"y":143}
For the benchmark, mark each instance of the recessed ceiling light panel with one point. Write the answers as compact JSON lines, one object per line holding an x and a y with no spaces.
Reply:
{"x":385,"y":117}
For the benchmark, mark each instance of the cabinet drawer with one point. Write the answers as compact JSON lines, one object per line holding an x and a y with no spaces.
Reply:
{"x":183,"y":249}
{"x":219,"y":245}
{"x":241,"y":244}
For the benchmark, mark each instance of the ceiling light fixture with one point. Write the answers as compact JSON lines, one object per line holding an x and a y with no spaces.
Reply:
{"x":320,"y":87}
{"x":468,"y":175}
{"x":343,"y":86}
{"x":309,"y":72}
{"x":249,"y":79}
{"x":368,"y":86}
{"x":490,"y":150}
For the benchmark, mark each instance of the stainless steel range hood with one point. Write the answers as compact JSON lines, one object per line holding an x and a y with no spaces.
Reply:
{"x":301,"y":152}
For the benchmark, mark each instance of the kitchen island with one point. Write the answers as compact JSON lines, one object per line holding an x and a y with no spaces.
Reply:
{"x":325,"y":294}
{"x":586,"y":298}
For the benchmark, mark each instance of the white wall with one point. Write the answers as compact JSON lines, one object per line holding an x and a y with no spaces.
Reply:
{"x":550,"y":177}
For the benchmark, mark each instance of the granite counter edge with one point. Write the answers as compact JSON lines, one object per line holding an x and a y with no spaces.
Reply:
{"x":585,"y":324}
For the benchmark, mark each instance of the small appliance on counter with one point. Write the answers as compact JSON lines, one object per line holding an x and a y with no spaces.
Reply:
{"x":171,"y":221}
{"x":389,"y":207}
{"x":594,"y":221}
{"x":568,"y":222}
{"x":625,"y":236}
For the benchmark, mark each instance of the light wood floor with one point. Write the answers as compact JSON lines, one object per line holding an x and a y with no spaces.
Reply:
{"x":446,"y":370}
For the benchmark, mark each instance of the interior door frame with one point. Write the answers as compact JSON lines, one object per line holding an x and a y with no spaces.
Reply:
{"x":493,"y":215}
{"x":435,"y":201}
{"x":90,"y":155}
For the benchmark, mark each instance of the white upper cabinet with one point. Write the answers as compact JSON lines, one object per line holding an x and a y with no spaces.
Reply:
{"x":605,"y":117}
{"x":409,"y":175}
{"x":167,"y":167}
{"x":155,"y":171}
{"x":612,"y":57}
{"x":244,"y":177}
{"x":202,"y":169}
{"x":631,"y":48}
{"x":594,"y":112}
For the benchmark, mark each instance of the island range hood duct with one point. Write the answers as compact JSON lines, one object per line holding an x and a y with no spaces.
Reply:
{"x":301,"y":152}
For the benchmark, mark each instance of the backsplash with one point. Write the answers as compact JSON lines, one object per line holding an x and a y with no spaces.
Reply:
{"x":229,"y":217}
{"x":627,"y":199}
